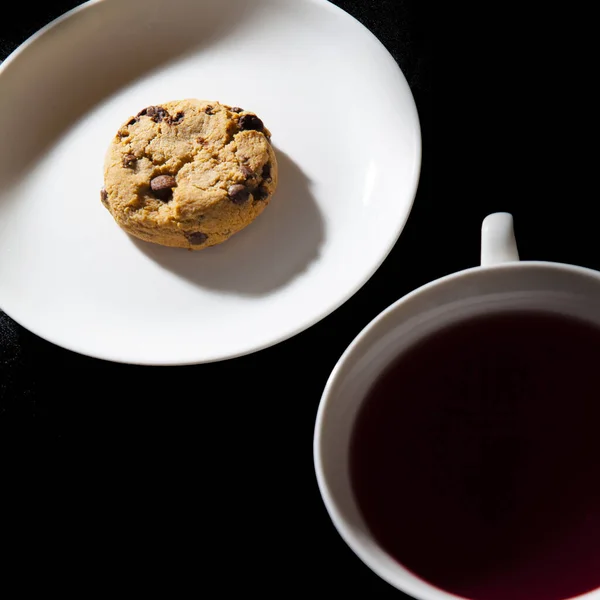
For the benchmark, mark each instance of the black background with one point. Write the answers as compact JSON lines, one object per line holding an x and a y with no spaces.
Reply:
{"x":204,"y":473}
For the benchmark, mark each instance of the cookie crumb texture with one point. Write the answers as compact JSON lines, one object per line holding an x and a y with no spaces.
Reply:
{"x":189,"y":173}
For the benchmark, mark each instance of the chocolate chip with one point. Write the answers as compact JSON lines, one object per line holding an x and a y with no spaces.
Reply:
{"x":163,"y":181}
{"x":129,"y":160}
{"x":266,"y":171}
{"x":162,"y":186}
{"x":250,"y":122}
{"x":161,"y":115}
{"x":104,"y":196}
{"x":238,"y":193}
{"x":260,"y":194}
{"x":237,"y":109}
{"x":196,"y":238}
{"x":209,"y":110}
{"x":201,"y":140}
{"x":132,"y":121}
{"x":156,"y":113}
{"x":177,"y":118}
{"x":246,"y":172}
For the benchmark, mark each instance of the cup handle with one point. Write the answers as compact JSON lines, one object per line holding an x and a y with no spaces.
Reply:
{"x":498,"y":244}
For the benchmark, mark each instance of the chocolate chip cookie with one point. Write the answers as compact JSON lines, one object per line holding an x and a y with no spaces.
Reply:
{"x":189,"y":173}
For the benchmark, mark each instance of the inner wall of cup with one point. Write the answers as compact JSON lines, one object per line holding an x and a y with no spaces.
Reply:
{"x":524,"y":287}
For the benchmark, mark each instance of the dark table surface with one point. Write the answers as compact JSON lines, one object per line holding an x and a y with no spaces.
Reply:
{"x":205,"y":473}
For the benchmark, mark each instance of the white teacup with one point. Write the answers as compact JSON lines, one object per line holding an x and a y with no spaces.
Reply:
{"x":500,"y":283}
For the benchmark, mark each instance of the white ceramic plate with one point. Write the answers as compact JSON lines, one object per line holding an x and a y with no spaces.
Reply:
{"x":344,"y":125}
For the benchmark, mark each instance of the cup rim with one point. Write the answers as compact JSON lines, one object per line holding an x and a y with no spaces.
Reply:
{"x":431,"y":591}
